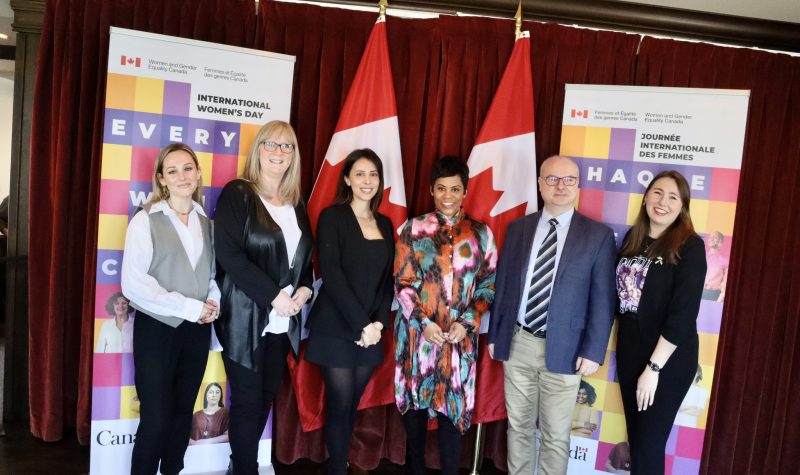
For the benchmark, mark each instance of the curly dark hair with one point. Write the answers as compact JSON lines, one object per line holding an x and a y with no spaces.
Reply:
{"x":591,"y":394}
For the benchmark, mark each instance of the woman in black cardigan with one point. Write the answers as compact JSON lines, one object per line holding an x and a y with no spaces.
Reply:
{"x":660,"y":276}
{"x":355,"y":248}
{"x":263,"y":244}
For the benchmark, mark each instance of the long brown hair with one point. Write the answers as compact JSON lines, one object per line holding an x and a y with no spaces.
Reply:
{"x":344,"y":193}
{"x":161,"y":193}
{"x":670,"y":241}
{"x":289,"y":188}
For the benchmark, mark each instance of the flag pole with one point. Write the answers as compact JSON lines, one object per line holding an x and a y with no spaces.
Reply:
{"x":479,"y":431}
{"x":382,"y":4}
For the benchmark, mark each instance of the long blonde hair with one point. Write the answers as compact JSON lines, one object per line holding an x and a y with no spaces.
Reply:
{"x":289,"y":188}
{"x":161,"y":193}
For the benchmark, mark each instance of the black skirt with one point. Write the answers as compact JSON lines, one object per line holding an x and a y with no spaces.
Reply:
{"x":335,"y":352}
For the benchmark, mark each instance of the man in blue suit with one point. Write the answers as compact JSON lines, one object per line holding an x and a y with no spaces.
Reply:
{"x":551,"y":317}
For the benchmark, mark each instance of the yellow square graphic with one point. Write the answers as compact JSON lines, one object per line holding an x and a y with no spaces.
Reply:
{"x":612,"y":428}
{"x":599,"y":387}
{"x":240,"y":165}
{"x":119,"y":91}
{"x":111,"y":230}
{"x":205,"y":159}
{"x":720,"y":217}
{"x":635,"y":201}
{"x":149,"y":95}
{"x":598,"y":141}
{"x":613,"y":400}
{"x":247,"y":134}
{"x":116,"y":162}
{"x":98,"y":324}
{"x":708,"y":348}
{"x":698,"y":209}
{"x":572,"y":140}
{"x":128,"y":403}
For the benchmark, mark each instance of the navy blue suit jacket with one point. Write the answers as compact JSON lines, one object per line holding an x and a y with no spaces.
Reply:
{"x":582,"y":302}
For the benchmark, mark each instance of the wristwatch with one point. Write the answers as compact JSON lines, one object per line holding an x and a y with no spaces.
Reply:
{"x":653,"y":367}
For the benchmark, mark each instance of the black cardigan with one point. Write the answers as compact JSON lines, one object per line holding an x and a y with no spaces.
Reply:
{"x":342,"y":309}
{"x":251,"y":255}
{"x":670,"y":298}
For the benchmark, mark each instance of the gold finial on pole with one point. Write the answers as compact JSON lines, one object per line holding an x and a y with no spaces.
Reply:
{"x":382,"y":4}
{"x":518,"y":23}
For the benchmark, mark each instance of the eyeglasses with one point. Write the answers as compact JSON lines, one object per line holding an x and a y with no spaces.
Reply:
{"x":552,"y":180}
{"x":271,"y":146}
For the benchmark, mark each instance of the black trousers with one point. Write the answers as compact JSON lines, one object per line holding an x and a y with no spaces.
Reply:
{"x":649,"y":430}
{"x":169,"y":364}
{"x":252,"y":393}
{"x":450,"y":442}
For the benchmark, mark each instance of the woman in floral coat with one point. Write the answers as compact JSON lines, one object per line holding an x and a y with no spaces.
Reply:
{"x":444,"y":276}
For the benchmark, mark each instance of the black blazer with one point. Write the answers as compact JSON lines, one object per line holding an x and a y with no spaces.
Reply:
{"x":671,"y":294}
{"x":344,"y":306}
{"x":251,"y":253}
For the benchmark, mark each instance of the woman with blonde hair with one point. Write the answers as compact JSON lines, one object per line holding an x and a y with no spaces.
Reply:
{"x":263,"y":243}
{"x":168,"y":276}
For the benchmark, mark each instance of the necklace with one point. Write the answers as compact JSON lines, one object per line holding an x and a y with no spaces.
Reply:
{"x":179,"y":213}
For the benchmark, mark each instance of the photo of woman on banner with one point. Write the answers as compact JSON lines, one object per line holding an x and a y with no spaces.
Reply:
{"x":619,"y":459}
{"x":444,"y":277}
{"x":264,"y":246}
{"x":717,"y":274}
{"x":116,"y":334}
{"x":584,"y":417}
{"x":356,"y":250}
{"x":694,"y":404}
{"x":657,"y":342}
{"x":168,"y":275}
{"x":210,"y":425}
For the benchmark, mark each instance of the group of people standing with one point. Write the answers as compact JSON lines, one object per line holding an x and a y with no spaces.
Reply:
{"x":552,"y":295}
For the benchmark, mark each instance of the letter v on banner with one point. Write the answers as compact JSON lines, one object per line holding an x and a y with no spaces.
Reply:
{"x":502,"y":188}
{"x":368,"y":120}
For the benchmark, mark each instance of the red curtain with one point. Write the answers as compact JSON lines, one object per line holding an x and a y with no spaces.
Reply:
{"x":752,"y":426}
{"x":445,"y":73}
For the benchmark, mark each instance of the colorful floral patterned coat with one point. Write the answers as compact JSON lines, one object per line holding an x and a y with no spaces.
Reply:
{"x":444,"y":273}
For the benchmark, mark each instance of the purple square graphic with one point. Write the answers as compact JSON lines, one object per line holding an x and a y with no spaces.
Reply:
{"x":105,"y":403}
{"x":612,"y":367}
{"x":617,"y":176}
{"x":109,"y":265}
{"x":227,"y":138}
{"x":615,"y":207}
{"x":594,"y":173}
{"x":210,"y":196}
{"x":138,"y":194}
{"x":175,"y":129}
{"x":699,"y":179}
{"x":146,"y":129}
{"x":641,"y":175}
{"x":127,"y":367}
{"x":709,"y":318}
{"x":672,"y":441}
{"x":118,"y":127}
{"x":685,"y":466}
{"x":267,"y":434}
{"x":177,"y":97}
{"x":623,"y":142}
{"x":201,"y":135}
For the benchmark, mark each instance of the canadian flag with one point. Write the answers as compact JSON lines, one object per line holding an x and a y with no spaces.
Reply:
{"x":129,"y":61}
{"x":368,"y":120}
{"x":584,"y":114}
{"x":501,"y":188}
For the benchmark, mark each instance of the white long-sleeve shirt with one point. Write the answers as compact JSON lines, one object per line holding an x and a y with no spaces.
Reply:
{"x":144,"y":289}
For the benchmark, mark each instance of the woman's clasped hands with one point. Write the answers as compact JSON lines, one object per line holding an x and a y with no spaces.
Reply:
{"x":434,"y":334}
{"x":370,"y":335}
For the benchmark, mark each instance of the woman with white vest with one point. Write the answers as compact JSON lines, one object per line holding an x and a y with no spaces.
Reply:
{"x":168,"y":275}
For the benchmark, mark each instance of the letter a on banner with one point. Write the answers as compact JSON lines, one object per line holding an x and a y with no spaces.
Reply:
{"x":502,"y":187}
{"x":368,"y":120}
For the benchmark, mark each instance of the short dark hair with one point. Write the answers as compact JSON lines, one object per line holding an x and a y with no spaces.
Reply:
{"x":591,"y":394}
{"x":450,"y":166}
{"x":344,"y":194}
{"x":113,"y":300}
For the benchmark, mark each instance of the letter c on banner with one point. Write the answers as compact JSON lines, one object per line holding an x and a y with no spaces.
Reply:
{"x":109,"y":267}
{"x":103,"y":440}
{"x":645,"y":177}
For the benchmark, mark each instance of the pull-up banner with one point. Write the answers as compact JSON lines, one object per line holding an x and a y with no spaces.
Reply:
{"x":621,"y":138}
{"x":162,"y":89}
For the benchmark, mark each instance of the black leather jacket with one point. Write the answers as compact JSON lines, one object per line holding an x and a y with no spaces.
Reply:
{"x":253,"y":268}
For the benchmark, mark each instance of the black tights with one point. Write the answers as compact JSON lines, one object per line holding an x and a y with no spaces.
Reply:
{"x":343,"y":390}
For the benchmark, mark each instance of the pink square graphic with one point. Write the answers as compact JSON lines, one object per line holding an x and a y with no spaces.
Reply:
{"x":224,"y":169}
{"x":114,"y":197}
{"x":603,"y":449}
{"x":142,"y":161}
{"x":102,"y":293}
{"x":690,"y":442}
{"x":107,"y":369}
{"x":724,"y":184}
{"x":669,"y":462}
{"x":591,"y":203}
